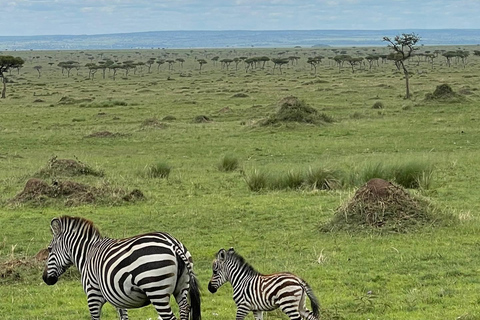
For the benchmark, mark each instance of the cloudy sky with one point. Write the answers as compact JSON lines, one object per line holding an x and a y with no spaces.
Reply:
{"x":48,"y":17}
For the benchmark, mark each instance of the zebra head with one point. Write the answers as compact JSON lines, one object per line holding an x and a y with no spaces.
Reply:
{"x":220,"y":270}
{"x":59,"y":258}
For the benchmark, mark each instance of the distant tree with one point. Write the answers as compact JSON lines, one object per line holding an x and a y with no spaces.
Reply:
{"x":170,"y":63}
{"x":160,"y":62}
{"x":115,"y":67}
{"x":38,"y":68}
{"x":279,"y":62}
{"x":92,"y":69}
{"x":354,"y":61}
{"x":6,"y":64}
{"x":68,"y":66}
{"x":225,"y":63}
{"x":314,"y":61}
{"x":372,"y":59}
{"x":264,"y":60}
{"x":201,"y":62}
{"x":237,"y":61}
{"x":149,"y":63}
{"x":181,"y":61}
{"x":340,"y":60}
{"x":476,"y":52}
{"x":403,"y":46}
{"x":215,"y":59}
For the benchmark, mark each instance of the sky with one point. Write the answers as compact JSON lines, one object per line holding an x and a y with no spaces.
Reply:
{"x":74,"y":17}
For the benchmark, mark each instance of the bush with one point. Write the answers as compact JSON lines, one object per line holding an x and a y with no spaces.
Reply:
{"x":158,"y":170}
{"x":228,"y":163}
{"x":291,"y":180}
{"x":378,"y":105}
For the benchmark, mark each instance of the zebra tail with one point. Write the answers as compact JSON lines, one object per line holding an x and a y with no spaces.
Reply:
{"x":313,"y":301}
{"x":194,"y":291}
{"x":195,"y":300}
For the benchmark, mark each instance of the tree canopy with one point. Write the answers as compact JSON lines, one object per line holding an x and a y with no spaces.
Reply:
{"x":7,"y":63}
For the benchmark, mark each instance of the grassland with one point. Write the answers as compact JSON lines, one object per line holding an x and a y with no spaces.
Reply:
{"x":117,"y":127}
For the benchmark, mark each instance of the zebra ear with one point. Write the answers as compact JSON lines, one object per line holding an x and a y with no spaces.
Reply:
{"x":231,"y":250}
{"x":221,"y":255}
{"x":55,"y":226}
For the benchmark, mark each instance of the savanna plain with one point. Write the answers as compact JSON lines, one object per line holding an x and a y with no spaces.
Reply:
{"x":159,"y":140}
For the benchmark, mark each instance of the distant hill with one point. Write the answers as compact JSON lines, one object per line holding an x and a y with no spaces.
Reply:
{"x":234,"y":39}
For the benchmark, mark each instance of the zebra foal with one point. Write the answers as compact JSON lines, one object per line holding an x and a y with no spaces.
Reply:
{"x":253,"y":291}
{"x":128,"y":273}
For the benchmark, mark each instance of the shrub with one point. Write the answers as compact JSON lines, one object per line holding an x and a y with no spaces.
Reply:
{"x":228,"y":163}
{"x":378,"y":105}
{"x":158,"y":170}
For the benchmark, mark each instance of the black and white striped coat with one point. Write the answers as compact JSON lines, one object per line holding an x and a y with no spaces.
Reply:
{"x":256,"y":292}
{"x":128,"y":273}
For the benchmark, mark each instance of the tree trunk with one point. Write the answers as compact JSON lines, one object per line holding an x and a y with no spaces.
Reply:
{"x":4,"y":90}
{"x":405,"y":72}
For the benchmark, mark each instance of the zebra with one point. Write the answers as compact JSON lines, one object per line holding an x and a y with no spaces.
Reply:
{"x":128,"y":273}
{"x":253,"y":291}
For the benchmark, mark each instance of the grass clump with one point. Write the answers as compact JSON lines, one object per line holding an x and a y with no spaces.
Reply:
{"x":413,"y":174}
{"x":323,"y":179}
{"x":293,"y":179}
{"x":228,"y":163}
{"x":158,"y":170}
{"x":257,"y":180}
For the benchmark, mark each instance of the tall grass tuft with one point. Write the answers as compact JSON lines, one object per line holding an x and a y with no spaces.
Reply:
{"x":158,"y":170}
{"x":257,"y":180}
{"x":324,"y":179}
{"x":412,"y":174}
{"x":293,"y":179}
{"x":228,"y":163}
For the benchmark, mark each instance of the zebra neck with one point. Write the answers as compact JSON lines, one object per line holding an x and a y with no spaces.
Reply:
{"x":81,"y":250}
{"x":242,"y":274}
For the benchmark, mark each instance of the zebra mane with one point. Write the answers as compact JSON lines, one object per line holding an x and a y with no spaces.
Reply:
{"x":75,"y":223}
{"x":239,"y":260}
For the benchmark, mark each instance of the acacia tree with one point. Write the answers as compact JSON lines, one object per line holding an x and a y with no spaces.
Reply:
{"x":403,"y":47}
{"x":7,"y":63}
{"x":38,"y":68}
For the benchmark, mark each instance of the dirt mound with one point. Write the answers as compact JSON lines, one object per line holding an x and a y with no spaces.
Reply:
{"x":39,"y":192}
{"x":202,"y":119}
{"x":443,"y":92}
{"x":67,"y":168}
{"x":381,"y":204}
{"x":292,"y":109}
{"x":153,"y":123}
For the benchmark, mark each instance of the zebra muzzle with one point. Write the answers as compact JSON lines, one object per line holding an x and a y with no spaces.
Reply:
{"x":211,"y":288}
{"x":49,"y":280}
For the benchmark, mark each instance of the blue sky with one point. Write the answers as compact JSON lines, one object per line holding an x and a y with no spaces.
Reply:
{"x":47,"y":17}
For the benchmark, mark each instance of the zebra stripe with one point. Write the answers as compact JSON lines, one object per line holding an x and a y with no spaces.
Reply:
{"x":128,"y":273}
{"x":253,"y":291}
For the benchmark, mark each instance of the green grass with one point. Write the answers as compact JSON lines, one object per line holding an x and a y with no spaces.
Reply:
{"x":433,"y":145}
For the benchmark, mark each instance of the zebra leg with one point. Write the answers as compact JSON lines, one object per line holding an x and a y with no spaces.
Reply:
{"x":162,"y":305}
{"x":122,"y":313}
{"x":242,"y":312}
{"x":258,"y":314}
{"x":183,"y":306}
{"x":95,"y":304}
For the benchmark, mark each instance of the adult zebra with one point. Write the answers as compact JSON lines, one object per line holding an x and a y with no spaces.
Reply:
{"x":128,"y":273}
{"x":253,"y":291}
